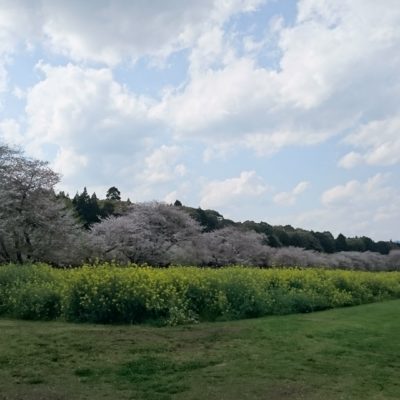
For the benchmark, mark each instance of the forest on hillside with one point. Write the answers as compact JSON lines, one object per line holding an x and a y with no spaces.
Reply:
{"x":91,"y":210}
{"x":37,"y":224}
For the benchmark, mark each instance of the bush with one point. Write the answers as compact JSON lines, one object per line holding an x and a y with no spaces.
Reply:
{"x":37,"y":302}
{"x":30,"y":292}
{"x":111,"y":294}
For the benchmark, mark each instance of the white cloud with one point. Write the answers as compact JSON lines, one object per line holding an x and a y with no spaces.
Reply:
{"x":289,"y":198}
{"x":183,"y":191}
{"x":355,"y":192}
{"x":341,"y":193}
{"x":357,"y":208}
{"x":108,"y":32}
{"x":19,"y":25}
{"x":100,"y":133}
{"x":350,"y":160}
{"x":3,"y":76}
{"x":112,"y":31}
{"x":213,"y":97}
{"x":69,"y":162}
{"x":18,"y":93}
{"x":171,"y":197}
{"x":162,"y":166}
{"x":10,"y":132}
{"x":338,"y":64}
{"x":300,"y":188}
{"x":246,"y":187}
{"x":379,"y":141}
{"x":89,"y":118}
{"x":347,"y":69}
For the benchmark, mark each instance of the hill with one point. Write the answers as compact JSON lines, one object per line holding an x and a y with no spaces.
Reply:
{"x":90,"y":210}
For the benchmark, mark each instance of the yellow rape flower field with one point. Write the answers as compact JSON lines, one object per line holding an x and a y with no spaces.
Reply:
{"x":181,"y":295}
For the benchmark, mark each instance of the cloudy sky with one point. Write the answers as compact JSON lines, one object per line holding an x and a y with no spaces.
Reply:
{"x":284,"y":111}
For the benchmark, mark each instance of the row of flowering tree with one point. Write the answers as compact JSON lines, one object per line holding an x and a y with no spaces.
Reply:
{"x":37,"y":225}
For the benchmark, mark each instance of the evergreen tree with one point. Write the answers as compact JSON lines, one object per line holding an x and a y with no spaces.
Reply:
{"x":93,"y":211}
{"x":274,"y":241}
{"x":382,"y":247}
{"x":87,"y":208}
{"x":113,"y":194}
{"x":341,"y":243}
{"x":282,"y":236}
{"x":327,"y":241}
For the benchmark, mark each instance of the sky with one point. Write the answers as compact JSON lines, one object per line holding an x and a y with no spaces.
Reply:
{"x":276,"y":110}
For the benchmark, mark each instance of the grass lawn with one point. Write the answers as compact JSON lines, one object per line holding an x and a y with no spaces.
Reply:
{"x":350,"y":353}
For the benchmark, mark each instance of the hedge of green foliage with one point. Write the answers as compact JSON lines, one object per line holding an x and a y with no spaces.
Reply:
{"x":111,"y":294}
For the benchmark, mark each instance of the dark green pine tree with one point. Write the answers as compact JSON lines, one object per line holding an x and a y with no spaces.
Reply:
{"x":274,"y":241}
{"x":341,"y":243}
{"x":327,"y":241}
{"x":113,"y":194}
{"x":87,"y":208}
{"x":93,"y":210}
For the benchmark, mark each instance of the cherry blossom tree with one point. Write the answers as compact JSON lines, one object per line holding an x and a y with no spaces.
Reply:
{"x":34,"y":224}
{"x":153,"y":233}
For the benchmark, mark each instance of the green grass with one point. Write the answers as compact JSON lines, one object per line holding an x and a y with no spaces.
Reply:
{"x":350,"y":353}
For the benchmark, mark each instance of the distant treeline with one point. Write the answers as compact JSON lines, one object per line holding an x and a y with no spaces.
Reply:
{"x":91,"y":210}
{"x":39,"y":225}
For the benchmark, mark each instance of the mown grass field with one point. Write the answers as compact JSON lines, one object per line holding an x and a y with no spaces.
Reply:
{"x":348,"y":353}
